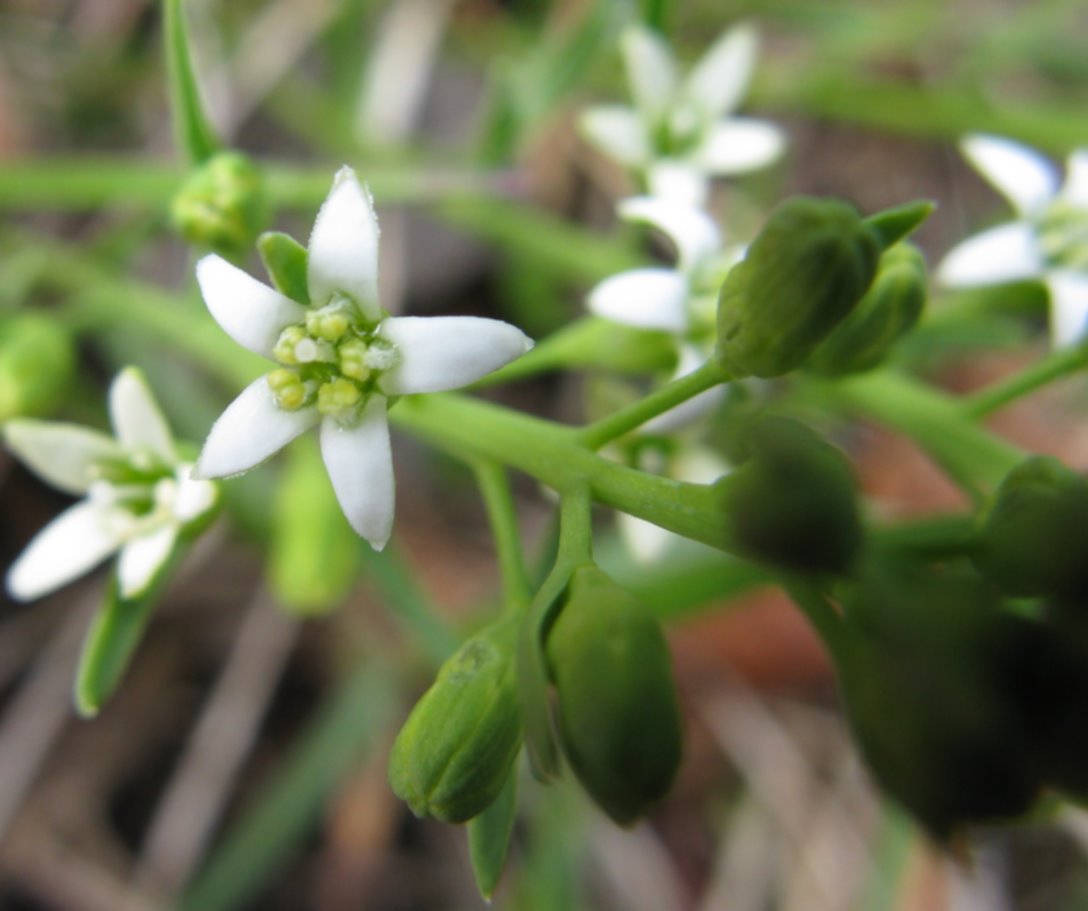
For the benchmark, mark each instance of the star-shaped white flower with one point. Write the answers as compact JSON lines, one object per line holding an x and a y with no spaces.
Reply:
{"x":139,"y":496}
{"x":681,"y":132}
{"x":1048,"y":241}
{"x":680,"y":300}
{"x":340,"y":360}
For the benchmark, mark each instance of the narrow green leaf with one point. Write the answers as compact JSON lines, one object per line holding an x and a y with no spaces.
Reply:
{"x":192,"y":130}
{"x":286,"y":261}
{"x":892,"y":225}
{"x":489,"y":837}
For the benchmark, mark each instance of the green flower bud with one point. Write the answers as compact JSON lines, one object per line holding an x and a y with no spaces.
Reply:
{"x":810,"y":265}
{"x":453,"y":755}
{"x":1032,"y":538}
{"x":793,"y":503}
{"x":619,"y":719}
{"x":36,"y":364}
{"x":888,"y":311}
{"x":222,"y":206}
{"x":930,"y":697}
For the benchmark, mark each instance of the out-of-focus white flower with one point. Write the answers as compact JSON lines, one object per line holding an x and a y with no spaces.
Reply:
{"x":1049,"y":239}
{"x":681,"y":132}
{"x":138,"y":496}
{"x":339,"y":360}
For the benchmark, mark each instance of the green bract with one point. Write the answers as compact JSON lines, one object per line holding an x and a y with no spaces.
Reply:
{"x":810,"y":265}
{"x":457,"y":747}
{"x":889,"y":310}
{"x":619,"y":720}
{"x":222,"y":206}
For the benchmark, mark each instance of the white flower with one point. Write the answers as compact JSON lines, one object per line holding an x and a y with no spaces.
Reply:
{"x":681,"y":300}
{"x":340,"y":359}
{"x":680,"y":132}
{"x":1049,"y":239}
{"x":138,"y":495}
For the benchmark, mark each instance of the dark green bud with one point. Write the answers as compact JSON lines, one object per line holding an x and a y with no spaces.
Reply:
{"x":1032,"y":539}
{"x":222,"y":206}
{"x":808,"y":268}
{"x":36,"y":364}
{"x":618,"y":718}
{"x":455,"y":751}
{"x":793,"y":504}
{"x":930,"y":698}
{"x":889,"y":310}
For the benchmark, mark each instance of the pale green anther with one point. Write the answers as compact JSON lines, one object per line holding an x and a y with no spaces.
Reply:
{"x":353,"y":359}
{"x":288,"y":389}
{"x":1063,"y":236}
{"x":315,"y":350}
{"x":331,"y":322}
{"x":339,"y":398}
{"x":284,"y":350}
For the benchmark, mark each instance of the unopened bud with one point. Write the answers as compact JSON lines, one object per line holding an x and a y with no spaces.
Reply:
{"x":222,"y":206}
{"x":36,"y":364}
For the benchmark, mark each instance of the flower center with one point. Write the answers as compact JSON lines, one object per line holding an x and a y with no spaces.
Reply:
{"x":332,"y":361}
{"x":1062,"y":234}
{"x":679,"y":131}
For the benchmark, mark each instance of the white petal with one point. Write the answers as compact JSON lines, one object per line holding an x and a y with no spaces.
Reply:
{"x":136,"y":418}
{"x":72,"y":544}
{"x":1003,"y":254}
{"x":252,"y":429}
{"x":63,"y":455}
{"x":692,"y":231}
{"x":720,"y":78}
{"x":142,"y":558}
{"x":645,"y":541}
{"x":344,"y":247}
{"x":739,"y":145}
{"x":678,"y":181}
{"x":1075,"y":190}
{"x":619,"y":133}
{"x":1027,"y":179}
{"x":194,"y":497}
{"x":250,"y":312}
{"x":446,"y":352}
{"x":644,"y":298}
{"x":651,"y":70}
{"x":360,"y":465}
{"x":698,"y":465}
{"x":1068,"y":307}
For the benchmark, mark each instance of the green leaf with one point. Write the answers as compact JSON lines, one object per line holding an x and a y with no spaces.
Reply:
{"x":489,"y":837}
{"x":892,"y":225}
{"x":192,"y":130}
{"x":286,"y":261}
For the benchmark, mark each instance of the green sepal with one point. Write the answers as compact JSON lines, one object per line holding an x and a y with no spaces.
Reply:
{"x":286,"y":261}
{"x":803,"y":274}
{"x":455,"y":751}
{"x":192,"y":130}
{"x":314,"y":555}
{"x":892,"y":225}
{"x":222,"y":206}
{"x":618,"y":711}
{"x":887,"y":312}
{"x":112,"y":638}
{"x":37,"y":360}
{"x":489,"y":837}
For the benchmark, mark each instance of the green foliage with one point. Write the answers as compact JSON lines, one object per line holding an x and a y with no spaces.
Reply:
{"x":192,"y":130}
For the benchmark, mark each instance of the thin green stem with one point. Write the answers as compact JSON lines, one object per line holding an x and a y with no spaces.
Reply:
{"x":823,"y":617}
{"x":495,"y":489}
{"x":575,"y":528}
{"x":1047,"y":369}
{"x":597,"y":434}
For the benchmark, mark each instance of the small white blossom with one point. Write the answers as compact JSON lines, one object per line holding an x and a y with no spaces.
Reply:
{"x":138,"y":495}
{"x":1048,"y":241}
{"x":681,"y":132}
{"x":340,"y":359}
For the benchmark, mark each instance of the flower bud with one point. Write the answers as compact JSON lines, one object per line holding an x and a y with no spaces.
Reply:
{"x":1032,"y":539}
{"x":222,"y":206}
{"x":793,"y":503}
{"x":618,"y":718}
{"x":810,"y":265}
{"x":453,"y":755}
{"x":890,"y":308}
{"x":36,"y":363}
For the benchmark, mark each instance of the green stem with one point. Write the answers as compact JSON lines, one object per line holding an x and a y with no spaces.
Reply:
{"x":1047,"y":369}
{"x":495,"y":489}
{"x":597,"y":434}
{"x":822,"y":616}
{"x":575,"y":528}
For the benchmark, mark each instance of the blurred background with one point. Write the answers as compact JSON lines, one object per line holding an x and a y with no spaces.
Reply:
{"x":242,"y":763}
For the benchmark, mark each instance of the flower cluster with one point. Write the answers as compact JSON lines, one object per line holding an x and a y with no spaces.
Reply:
{"x":340,"y":360}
